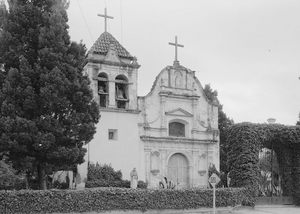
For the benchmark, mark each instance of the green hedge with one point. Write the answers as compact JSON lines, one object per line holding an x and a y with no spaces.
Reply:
{"x":101,"y":199}
{"x":120,"y":184}
{"x":106,"y":183}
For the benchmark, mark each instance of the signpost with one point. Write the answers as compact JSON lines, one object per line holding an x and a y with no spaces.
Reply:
{"x":214,"y":180}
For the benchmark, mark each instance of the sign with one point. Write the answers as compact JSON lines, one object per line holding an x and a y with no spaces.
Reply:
{"x":214,"y":179}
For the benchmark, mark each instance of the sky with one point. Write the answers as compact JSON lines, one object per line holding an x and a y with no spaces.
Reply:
{"x":247,"y":50}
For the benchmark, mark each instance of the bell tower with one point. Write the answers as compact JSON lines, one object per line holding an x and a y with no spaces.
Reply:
{"x":113,"y":72}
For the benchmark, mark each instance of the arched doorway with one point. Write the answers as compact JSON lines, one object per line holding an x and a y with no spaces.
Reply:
{"x":178,"y":170}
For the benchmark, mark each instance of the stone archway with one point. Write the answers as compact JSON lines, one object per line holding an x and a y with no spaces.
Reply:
{"x":178,"y":170}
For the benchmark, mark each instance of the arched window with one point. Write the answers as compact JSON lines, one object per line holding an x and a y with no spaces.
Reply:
{"x":121,"y":91}
{"x":176,"y":129}
{"x":103,"y":89}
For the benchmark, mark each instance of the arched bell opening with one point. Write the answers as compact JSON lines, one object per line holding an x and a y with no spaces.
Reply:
{"x":103,"y":89}
{"x":121,"y":83}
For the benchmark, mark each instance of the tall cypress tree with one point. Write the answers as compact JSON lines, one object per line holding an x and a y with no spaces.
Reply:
{"x":224,"y":123}
{"x":47,"y":112}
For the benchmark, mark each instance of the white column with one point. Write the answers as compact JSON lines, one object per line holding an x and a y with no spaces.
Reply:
{"x":112,"y":94}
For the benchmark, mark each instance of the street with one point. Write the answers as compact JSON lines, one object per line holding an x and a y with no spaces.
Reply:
{"x":264,"y":209}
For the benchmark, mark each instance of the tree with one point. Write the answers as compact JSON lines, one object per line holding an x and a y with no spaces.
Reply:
{"x":224,"y":122}
{"x":47,"y":112}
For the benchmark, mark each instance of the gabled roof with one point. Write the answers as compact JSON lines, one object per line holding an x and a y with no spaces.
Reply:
{"x":101,"y":46}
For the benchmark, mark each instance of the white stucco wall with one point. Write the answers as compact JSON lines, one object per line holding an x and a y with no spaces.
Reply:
{"x":122,"y":153}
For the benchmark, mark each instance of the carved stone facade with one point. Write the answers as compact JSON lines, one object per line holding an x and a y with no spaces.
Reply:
{"x":177,"y":97}
{"x":171,"y":132}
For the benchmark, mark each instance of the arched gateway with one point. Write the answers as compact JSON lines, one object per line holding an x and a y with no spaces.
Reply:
{"x":178,"y":170}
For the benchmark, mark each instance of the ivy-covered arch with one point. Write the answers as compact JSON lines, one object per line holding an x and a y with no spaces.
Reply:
{"x":245,"y":140}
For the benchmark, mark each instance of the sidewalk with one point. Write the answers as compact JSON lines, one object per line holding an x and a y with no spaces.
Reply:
{"x":267,"y":209}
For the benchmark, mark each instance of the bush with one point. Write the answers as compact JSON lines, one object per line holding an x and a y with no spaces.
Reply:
{"x":106,"y":199}
{"x":9,"y":180}
{"x":142,"y":185}
{"x":103,"y":172}
{"x":120,"y":184}
{"x":107,"y":183}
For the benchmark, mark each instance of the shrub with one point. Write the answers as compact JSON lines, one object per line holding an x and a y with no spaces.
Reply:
{"x":106,"y":199}
{"x":103,"y":172}
{"x":142,"y":185}
{"x":166,"y":184}
{"x":107,"y":183}
{"x":9,"y":180}
{"x":120,"y":184}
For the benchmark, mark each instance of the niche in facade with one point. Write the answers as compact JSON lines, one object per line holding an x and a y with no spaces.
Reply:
{"x":121,"y":91}
{"x":178,"y":79}
{"x":103,"y":89}
{"x":155,"y":163}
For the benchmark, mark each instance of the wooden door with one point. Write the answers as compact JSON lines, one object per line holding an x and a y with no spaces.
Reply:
{"x":178,"y":170}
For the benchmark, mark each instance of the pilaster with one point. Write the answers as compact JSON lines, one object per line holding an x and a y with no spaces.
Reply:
{"x":112,"y":93}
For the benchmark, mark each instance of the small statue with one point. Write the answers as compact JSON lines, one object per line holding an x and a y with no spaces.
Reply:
{"x":133,"y":179}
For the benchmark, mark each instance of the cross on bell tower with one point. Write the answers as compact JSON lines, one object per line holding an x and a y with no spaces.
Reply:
{"x":176,"y":45}
{"x":105,"y":18}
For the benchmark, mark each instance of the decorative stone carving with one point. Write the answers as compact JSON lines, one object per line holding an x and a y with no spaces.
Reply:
{"x":155,"y":153}
{"x":202,"y":172}
{"x":201,"y":122}
{"x":203,"y":156}
{"x":155,"y":172}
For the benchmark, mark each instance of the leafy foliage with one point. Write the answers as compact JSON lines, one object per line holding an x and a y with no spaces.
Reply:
{"x":8,"y":178}
{"x":103,"y":172}
{"x":247,"y":139}
{"x":119,"y":184}
{"x":47,"y":112}
{"x":224,"y":123}
{"x":105,"y":176}
{"x":106,"y":199}
{"x":108,"y":183}
{"x":166,"y":184}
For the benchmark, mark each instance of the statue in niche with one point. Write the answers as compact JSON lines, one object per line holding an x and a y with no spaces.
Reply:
{"x":178,"y":79}
{"x":178,"y":82}
{"x":133,"y":179}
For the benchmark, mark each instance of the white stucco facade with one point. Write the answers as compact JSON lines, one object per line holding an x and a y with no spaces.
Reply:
{"x":171,"y":132}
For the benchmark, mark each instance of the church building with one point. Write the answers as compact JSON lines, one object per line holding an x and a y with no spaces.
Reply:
{"x":171,"y":132}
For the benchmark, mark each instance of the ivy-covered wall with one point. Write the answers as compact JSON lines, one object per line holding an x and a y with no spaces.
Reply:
{"x":245,"y":140}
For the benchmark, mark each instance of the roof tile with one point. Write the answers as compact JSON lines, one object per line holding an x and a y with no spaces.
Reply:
{"x":101,"y":46}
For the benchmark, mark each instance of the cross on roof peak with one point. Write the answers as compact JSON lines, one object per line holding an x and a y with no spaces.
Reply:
{"x":105,"y":18}
{"x":176,"y":45}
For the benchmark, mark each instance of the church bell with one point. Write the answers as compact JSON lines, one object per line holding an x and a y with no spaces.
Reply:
{"x":101,"y":90}
{"x":120,"y":94}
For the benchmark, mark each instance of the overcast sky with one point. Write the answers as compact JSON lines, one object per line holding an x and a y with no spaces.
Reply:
{"x":249,"y":51}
